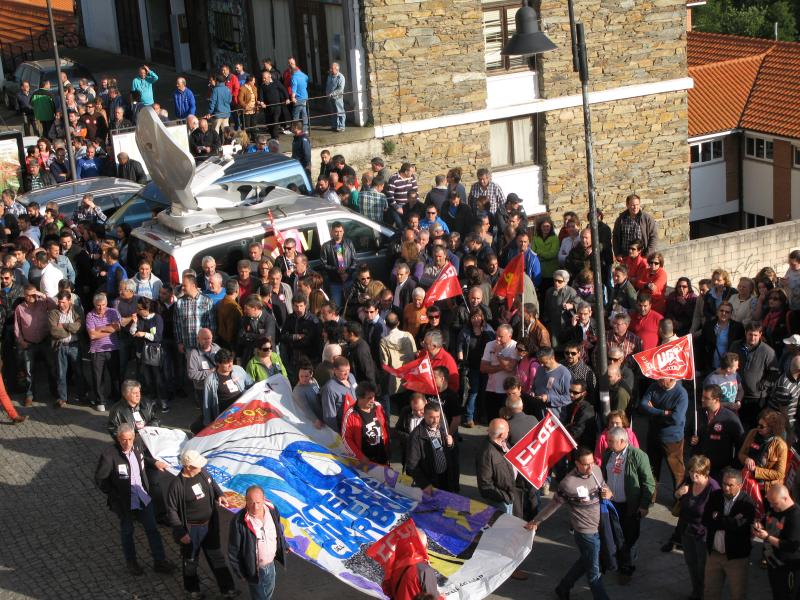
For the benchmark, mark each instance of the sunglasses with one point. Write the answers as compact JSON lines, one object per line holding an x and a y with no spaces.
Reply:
{"x":575,"y":392}
{"x":558,"y":281}
{"x":571,"y":353}
{"x":266,"y":348}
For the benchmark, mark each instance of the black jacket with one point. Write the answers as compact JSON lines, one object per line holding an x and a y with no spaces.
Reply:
{"x":361,"y":362}
{"x":272,"y":93}
{"x":461,"y":221}
{"x":310,"y":345}
{"x":420,"y":462}
{"x":708,"y":340}
{"x":329,"y":263}
{"x":405,"y":296}
{"x":121,"y":413}
{"x":176,"y":505}
{"x":519,"y":424}
{"x":210,"y":138}
{"x":582,"y":424}
{"x":251,"y":329}
{"x":133,"y":171}
{"x":496,"y":478}
{"x":758,"y":368}
{"x":118,"y":488}
{"x":736,"y":525}
{"x":47,"y":180}
{"x":242,"y":544}
{"x":719,"y":439}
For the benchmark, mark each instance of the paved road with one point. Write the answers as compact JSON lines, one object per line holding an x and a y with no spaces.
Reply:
{"x":60,"y":541}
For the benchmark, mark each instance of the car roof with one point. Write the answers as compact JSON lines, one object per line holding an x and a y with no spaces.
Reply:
{"x":254,"y":161}
{"x":303,"y":206}
{"x":63,"y":192}
{"x":49,"y":64}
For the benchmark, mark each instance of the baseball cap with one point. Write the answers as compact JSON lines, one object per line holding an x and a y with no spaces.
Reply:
{"x":793,"y":340}
{"x":192,"y":458}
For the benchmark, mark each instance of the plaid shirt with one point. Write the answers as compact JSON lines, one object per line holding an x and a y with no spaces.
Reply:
{"x":630,"y":231}
{"x":631,"y":344}
{"x":372,"y":205}
{"x":493,"y":192}
{"x":192,"y":314}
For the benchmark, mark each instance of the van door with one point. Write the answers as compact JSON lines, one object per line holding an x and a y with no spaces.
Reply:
{"x":372,"y":247}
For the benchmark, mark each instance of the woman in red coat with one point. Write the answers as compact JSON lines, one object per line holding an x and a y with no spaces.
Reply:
{"x":654,"y":281}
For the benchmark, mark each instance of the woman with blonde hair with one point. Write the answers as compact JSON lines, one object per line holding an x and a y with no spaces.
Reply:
{"x":720,"y":291}
{"x":744,"y":301}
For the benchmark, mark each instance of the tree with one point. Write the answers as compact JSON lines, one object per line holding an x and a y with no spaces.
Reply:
{"x":753,"y":18}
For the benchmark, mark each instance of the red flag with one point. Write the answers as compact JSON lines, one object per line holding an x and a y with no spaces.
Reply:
{"x":512,"y":281}
{"x":417,"y":376}
{"x":401,"y":544}
{"x":278,"y":235}
{"x":750,"y":487}
{"x":544,"y":445}
{"x":792,"y":466}
{"x":674,"y":359}
{"x":446,"y":286}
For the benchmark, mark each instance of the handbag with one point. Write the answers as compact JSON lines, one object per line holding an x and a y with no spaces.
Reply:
{"x":152,"y":354}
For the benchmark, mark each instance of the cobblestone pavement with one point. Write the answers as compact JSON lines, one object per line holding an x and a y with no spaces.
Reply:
{"x":60,"y":541}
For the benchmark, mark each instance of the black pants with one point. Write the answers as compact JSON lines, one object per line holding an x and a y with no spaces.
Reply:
{"x":272,"y":119}
{"x":784,"y":582}
{"x":102,"y":362}
{"x":204,"y":538}
{"x":248,"y":121}
{"x":748,"y":413}
{"x":494,"y":402}
{"x":631,"y":524}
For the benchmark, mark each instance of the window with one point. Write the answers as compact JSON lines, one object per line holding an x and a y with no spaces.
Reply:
{"x":796,"y":154}
{"x":362,"y":235}
{"x":706,"y":151}
{"x":226,"y":31}
{"x":755,"y":147}
{"x":514,"y":142}
{"x":498,"y":27}
{"x":753,"y":220}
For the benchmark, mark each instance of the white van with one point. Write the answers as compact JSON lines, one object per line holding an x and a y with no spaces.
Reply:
{"x":223,"y":219}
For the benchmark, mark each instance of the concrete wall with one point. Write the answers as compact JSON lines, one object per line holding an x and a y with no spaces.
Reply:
{"x":100,"y":25}
{"x":796,"y":193}
{"x":741,"y":253}
{"x":757,"y":193}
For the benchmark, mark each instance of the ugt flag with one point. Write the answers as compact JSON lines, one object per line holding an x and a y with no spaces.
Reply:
{"x":512,"y":281}
{"x":674,"y":359}
{"x":445,"y":286}
{"x":416,"y":376}
{"x":544,"y":445}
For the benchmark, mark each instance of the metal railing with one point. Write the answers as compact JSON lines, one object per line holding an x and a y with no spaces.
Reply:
{"x":37,"y":40}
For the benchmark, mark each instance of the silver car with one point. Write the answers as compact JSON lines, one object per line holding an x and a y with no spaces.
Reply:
{"x":109,"y":194}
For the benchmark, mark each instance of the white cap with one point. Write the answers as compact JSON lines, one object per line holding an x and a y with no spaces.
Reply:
{"x":192,"y":458}
{"x":793,"y":340}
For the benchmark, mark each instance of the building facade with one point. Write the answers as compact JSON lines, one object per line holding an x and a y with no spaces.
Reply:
{"x":429,"y":78}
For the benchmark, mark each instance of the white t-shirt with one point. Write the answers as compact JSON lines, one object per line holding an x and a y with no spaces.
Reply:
{"x":490,"y":353}
{"x":51,"y":275}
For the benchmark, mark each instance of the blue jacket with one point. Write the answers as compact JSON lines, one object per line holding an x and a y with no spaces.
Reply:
{"x":668,"y":427}
{"x":145,"y":87}
{"x":185,"y":104}
{"x":533,"y":267}
{"x":427,"y":224}
{"x":300,"y":85}
{"x":220,"y":105}
{"x":301,"y":150}
{"x":87,"y":167}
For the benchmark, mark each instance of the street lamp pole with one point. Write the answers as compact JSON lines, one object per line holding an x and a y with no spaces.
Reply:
{"x":601,"y":352}
{"x":67,"y":134}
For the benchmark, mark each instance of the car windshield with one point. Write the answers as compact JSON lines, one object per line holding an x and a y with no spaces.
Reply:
{"x":74,"y":74}
{"x":140,"y":207}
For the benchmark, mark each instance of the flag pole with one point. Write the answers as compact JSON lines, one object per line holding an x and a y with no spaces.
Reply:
{"x":441,"y":412}
{"x":522,"y":304}
{"x":694,"y":382}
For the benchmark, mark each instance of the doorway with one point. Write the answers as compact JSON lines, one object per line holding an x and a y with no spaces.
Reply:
{"x":158,"y":19}
{"x":129,"y":27}
{"x":312,"y":43}
{"x":199,"y":45}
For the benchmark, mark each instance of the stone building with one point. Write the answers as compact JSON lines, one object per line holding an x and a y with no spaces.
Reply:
{"x":428,"y":80}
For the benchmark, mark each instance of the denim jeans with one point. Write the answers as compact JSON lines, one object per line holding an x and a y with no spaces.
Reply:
{"x":474,"y":376}
{"x":147,"y":517}
{"x":266,"y":583}
{"x":300,"y":113}
{"x":27,"y":362}
{"x":68,"y":357}
{"x":337,"y":107}
{"x":695,"y":553}
{"x":588,"y":563}
{"x":208,"y":541}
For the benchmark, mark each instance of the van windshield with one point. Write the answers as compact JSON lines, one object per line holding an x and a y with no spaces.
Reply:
{"x":140,"y":207}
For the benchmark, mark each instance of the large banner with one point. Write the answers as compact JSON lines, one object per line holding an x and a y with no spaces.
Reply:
{"x":333,"y":507}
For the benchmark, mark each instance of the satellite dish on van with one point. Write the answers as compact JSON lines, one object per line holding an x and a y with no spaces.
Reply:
{"x":171,"y":167}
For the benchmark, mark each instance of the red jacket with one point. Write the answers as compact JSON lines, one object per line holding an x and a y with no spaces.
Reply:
{"x":659,"y":281}
{"x":232,"y":83}
{"x":287,"y":80}
{"x":445,"y":359}
{"x":351,"y":428}
{"x":637,"y":270}
{"x":646,"y":328}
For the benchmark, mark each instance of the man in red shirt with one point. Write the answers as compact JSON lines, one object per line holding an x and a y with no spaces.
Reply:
{"x":231,"y":81}
{"x":433,"y":348}
{"x":644,"y":322}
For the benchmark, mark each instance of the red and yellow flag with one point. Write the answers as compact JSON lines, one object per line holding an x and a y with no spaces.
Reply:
{"x":512,"y":279}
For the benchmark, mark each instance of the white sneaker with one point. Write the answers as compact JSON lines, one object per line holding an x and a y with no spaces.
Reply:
{"x":100,"y":408}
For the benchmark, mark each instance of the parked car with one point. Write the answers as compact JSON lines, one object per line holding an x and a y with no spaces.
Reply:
{"x":36,"y":72}
{"x":258,"y":167}
{"x":109,"y":194}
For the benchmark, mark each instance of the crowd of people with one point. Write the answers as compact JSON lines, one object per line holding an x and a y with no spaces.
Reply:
{"x":69,"y":290}
{"x":246,"y":113}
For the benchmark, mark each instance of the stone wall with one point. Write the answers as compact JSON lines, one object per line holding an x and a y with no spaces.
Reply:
{"x":627,"y":41}
{"x":741,"y":253}
{"x":639,"y":147}
{"x":425,"y":58}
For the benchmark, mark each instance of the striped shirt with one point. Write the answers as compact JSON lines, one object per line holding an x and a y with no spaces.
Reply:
{"x":398,"y":188}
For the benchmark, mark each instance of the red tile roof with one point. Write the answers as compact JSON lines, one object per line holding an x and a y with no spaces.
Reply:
{"x":745,"y":83}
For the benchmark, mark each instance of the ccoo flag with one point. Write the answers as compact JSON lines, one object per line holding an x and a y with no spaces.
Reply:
{"x":674,"y":359}
{"x":446,"y":286}
{"x":416,"y":376}
{"x":512,"y":281}
{"x":543,"y":446}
